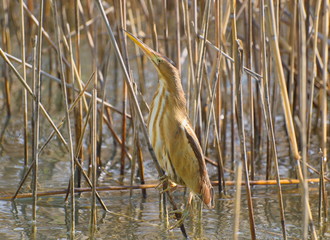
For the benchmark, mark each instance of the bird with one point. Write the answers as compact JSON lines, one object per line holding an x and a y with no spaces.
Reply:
{"x":172,"y":136}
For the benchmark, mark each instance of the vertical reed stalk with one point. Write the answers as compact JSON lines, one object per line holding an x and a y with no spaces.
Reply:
{"x":37,"y":108}
{"x":94,"y":166}
{"x":139,"y":60}
{"x":233,"y":80}
{"x":237,"y":198}
{"x":135,"y":103}
{"x":218,"y":108}
{"x":264,"y":89}
{"x":303,"y":133}
{"x":67,"y":114}
{"x":279,"y":68}
{"x":78,"y":109}
{"x":238,"y":70}
{"x":35,"y":127}
{"x":71,"y":151}
{"x":191,"y":79}
{"x":199,"y":79}
{"x":314,"y":69}
{"x":178,"y":36}
{"x":25,"y":115}
{"x":325,"y":87}
{"x":7,"y":46}
{"x":167,"y":52}
{"x":251,"y":102}
{"x":122,"y":6}
{"x":293,"y":41}
{"x":152,"y":25}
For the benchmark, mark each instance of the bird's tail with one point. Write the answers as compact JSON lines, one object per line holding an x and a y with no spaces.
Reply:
{"x":207,"y":194}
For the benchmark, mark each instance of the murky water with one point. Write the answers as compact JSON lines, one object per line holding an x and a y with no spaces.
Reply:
{"x":133,"y":217}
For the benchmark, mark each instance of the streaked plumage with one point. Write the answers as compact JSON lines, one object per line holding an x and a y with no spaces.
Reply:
{"x":174,"y":141}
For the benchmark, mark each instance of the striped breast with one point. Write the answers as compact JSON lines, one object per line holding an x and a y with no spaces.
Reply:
{"x":159,"y":108}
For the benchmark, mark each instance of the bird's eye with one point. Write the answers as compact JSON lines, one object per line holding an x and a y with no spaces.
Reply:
{"x":159,"y":60}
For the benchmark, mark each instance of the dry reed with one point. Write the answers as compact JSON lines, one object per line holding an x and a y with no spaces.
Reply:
{"x":232,"y":101}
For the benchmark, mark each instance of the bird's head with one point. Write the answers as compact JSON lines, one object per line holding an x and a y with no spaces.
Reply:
{"x":165,"y":66}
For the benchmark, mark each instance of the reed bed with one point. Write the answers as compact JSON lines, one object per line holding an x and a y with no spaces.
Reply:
{"x":249,"y":68}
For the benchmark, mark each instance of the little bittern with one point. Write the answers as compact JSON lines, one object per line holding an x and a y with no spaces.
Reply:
{"x":174,"y":141}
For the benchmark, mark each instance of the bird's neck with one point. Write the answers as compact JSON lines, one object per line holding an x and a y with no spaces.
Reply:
{"x":174,"y":91}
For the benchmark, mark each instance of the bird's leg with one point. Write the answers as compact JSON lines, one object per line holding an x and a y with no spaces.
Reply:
{"x":184,"y":213}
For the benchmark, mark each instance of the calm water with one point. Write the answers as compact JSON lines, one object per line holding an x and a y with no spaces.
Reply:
{"x":132,"y":217}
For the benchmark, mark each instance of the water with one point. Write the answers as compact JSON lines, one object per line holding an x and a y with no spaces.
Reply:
{"x":132,"y":216}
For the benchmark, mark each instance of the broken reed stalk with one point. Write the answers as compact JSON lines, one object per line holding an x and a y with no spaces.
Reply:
{"x":25,"y":104}
{"x":58,"y":35}
{"x":135,"y":103}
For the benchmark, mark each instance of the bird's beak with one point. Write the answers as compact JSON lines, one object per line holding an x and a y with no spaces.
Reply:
{"x":147,"y":50}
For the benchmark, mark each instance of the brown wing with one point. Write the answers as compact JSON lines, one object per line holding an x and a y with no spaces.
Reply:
{"x":206,"y":187}
{"x":188,"y":161}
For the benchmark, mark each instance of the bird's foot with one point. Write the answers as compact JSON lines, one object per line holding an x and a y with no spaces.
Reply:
{"x":166,"y":183}
{"x":162,"y":180}
{"x":182,"y":215}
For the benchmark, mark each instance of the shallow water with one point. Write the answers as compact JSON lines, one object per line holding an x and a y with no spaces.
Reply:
{"x":133,"y":217}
